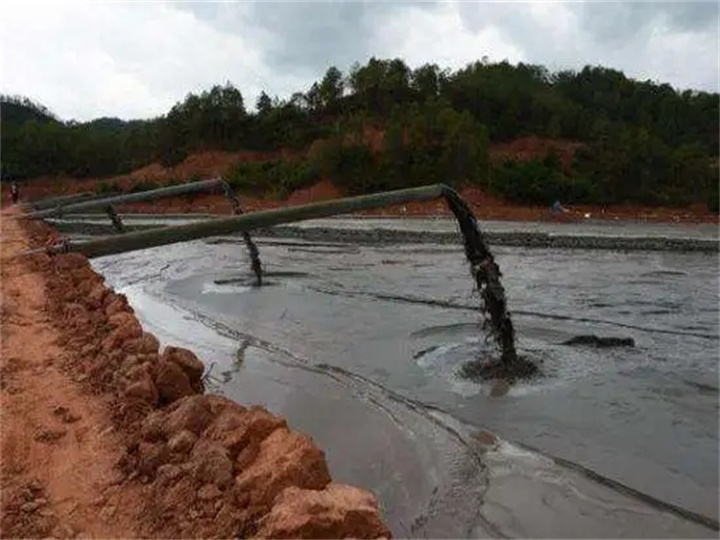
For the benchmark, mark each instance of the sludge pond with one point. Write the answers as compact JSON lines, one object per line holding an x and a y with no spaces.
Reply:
{"x":359,"y":346}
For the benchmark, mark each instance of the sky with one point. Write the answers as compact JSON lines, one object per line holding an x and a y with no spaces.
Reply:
{"x":86,"y":60}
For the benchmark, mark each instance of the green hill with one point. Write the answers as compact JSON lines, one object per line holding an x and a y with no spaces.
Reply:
{"x":18,"y":110}
{"x":384,"y":125}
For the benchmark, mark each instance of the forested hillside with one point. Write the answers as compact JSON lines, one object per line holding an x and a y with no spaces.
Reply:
{"x":385,"y":126}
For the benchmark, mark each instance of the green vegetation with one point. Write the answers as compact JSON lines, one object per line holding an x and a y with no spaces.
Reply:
{"x":143,"y":185}
{"x":539,"y":181}
{"x":108,"y":188}
{"x":275,"y":179}
{"x":386,"y":126}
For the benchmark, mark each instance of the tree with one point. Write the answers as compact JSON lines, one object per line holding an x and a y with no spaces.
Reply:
{"x":331,"y":89}
{"x":642,"y":141}
{"x":263,"y":104}
{"x":425,"y":82}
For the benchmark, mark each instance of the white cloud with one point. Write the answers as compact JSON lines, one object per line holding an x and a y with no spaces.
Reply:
{"x":85,"y":60}
{"x":681,"y":59}
{"x":130,"y":60}
{"x":421,"y":36}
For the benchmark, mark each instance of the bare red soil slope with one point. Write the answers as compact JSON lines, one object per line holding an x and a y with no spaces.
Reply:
{"x":214,"y":163}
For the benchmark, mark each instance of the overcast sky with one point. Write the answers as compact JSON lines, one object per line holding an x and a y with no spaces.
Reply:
{"x":136,"y":59}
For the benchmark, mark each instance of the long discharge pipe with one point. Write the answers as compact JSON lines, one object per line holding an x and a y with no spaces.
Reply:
{"x":483,"y":267}
{"x":60,"y":200}
{"x":107,"y":203}
{"x":149,"y":195}
{"x":244,"y":223}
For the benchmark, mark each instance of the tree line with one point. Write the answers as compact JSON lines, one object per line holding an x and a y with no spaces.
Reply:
{"x":384,"y":126}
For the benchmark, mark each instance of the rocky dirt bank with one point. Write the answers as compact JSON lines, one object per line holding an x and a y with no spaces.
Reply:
{"x":105,"y":435}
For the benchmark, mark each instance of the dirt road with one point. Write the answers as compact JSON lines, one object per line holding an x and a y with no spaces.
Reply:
{"x":59,"y":447}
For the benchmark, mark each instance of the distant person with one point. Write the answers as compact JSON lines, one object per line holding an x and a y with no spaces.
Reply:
{"x":15,"y":192}
{"x":557,"y":208}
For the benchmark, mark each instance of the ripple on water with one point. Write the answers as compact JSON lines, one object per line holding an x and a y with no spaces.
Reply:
{"x":672,"y":375}
{"x":215,"y":288}
{"x":664,"y":273}
{"x":446,"y":360}
{"x":445,"y":349}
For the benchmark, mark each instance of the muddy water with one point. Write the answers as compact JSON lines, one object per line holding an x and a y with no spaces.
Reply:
{"x":359,"y":347}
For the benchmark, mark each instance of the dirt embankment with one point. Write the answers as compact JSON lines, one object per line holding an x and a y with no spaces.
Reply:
{"x":105,"y":435}
{"x":215,"y":163}
{"x":486,"y":207}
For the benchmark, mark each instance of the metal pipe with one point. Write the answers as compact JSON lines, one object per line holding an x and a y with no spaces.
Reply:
{"x":106,"y":203}
{"x":60,"y":200}
{"x":91,"y":197}
{"x":148,"y":195}
{"x":183,"y":233}
{"x":251,"y":246}
{"x":115,"y":218}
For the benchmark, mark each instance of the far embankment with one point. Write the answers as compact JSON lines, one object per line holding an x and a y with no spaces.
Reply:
{"x":216,"y":163}
{"x":370,"y":230}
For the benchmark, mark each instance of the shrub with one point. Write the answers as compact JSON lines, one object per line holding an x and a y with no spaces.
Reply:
{"x":107,"y":188}
{"x":538,"y":182}
{"x":143,"y":185}
{"x":275,"y":178}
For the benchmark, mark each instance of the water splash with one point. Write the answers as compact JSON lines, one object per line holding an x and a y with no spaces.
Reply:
{"x":251,"y":247}
{"x":487,"y":275}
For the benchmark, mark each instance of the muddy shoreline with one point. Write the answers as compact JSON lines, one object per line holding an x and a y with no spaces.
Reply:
{"x":84,"y":386}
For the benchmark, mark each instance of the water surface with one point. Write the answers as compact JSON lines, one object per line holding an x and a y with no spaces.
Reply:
{"x":359,"y":347}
